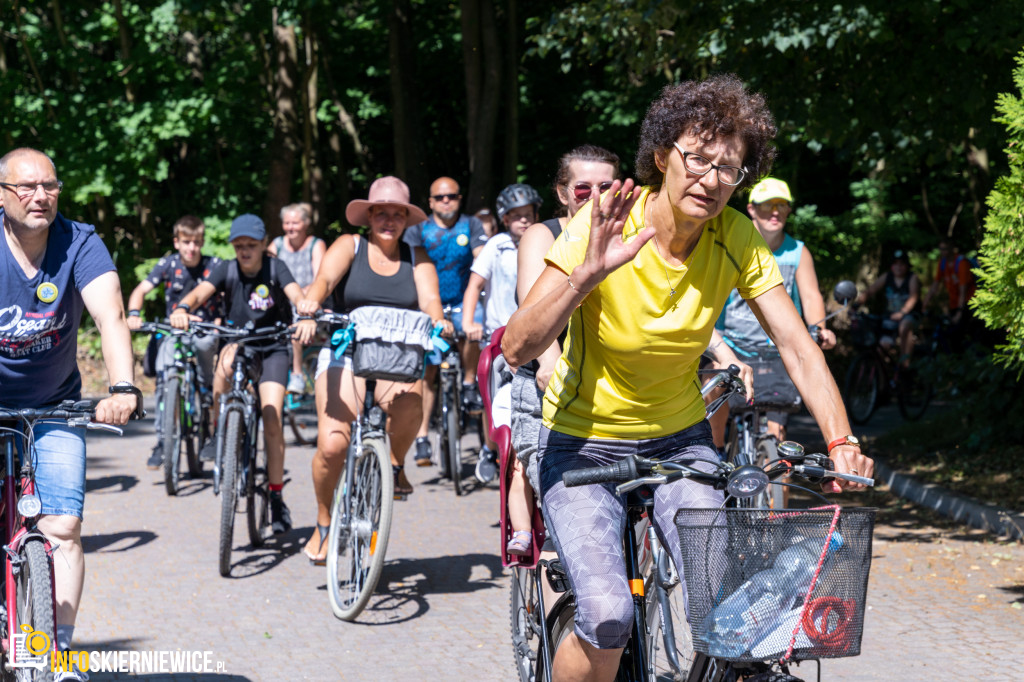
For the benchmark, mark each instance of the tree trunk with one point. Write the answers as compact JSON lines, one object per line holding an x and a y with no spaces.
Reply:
{"x":511,"y":106}
{"x":481,"y":53}
{"x":312,"y":173}
{"x":407,"y":138}
{"x":285,"y":144}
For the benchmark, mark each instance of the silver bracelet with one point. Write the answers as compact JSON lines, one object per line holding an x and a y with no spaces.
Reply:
{"x":572,"y":286}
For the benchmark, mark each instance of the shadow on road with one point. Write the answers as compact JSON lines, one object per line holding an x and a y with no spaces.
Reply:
{"x":256,"y":561}
{"x":405,"y":585}
{"x":123,"y":482}
{"x":105,"y":542}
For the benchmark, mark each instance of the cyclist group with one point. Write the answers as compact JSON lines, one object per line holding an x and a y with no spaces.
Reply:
{"x":607,"y":311}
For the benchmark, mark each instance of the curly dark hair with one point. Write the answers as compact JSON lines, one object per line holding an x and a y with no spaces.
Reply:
{"x":717,"y":107}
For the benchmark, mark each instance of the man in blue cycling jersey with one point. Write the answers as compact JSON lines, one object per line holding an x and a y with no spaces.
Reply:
{"x":769,"y":207}
{"x":50,"y":269}
{"x":452,"y":240}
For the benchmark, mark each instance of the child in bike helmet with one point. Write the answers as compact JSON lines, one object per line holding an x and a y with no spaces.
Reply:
{"x":496,"y":270}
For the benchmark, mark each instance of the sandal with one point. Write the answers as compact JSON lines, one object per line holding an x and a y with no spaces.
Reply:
{"x":320,"y":558}
{"x":401,"y":491}
{"x":520,"y":543}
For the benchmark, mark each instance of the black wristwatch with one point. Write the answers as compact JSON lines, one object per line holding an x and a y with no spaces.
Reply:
{"x":134,"y":313}
{"x":128,"y":387}
{"x":184,"y":306}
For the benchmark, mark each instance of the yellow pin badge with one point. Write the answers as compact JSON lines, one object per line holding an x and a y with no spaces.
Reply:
{"x":462,"y":240}
{"x":47,"y":292}
{"x":262,"y":291}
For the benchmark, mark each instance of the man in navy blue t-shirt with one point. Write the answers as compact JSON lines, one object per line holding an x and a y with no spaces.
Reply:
{"x":452,"y":240}
{"x":50,"y":269}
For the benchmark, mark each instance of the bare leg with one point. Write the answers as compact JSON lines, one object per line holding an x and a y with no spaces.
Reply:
{"x":68,"y":563}
{"x":429,"y":394}
{"x":334,"y":432}
{"x":470,"y":351}
{"x":520,"y":499}
{"x":577,"y":661}
{"x":272,"y":398}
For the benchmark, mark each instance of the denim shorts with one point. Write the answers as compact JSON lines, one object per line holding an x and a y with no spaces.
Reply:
{"x":325,"y":360}
{"x":478,"y":316}
{"x":60,"y":469}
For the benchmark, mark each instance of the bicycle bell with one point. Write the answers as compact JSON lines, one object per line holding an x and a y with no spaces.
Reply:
{"x":788,"y":448}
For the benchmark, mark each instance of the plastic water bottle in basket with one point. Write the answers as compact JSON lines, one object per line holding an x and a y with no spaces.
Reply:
{"x":754,"y":610}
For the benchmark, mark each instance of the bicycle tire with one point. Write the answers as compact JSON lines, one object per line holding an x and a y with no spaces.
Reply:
{"x":525,"y":623}
{"x":454,"y":437}
{"x":171,"y":432}
{"x":233,"y":438}
{"x":443,"y":459}
{"x":257,"y":494}
{"x":34,"y":601}
{"x":357,"y":546}
{"x":863,"y":387}
{"x":668,"y":608}
{"x":914,"y":390}
{"x":773,"y":496}
{"x":200,"y":431}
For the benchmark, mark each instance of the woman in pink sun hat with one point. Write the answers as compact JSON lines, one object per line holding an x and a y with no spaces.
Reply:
{"x":375,"y":269}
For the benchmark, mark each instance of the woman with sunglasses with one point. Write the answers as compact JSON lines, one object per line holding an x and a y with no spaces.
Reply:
{"x":640,"y":276}
{"x":585,"y":170}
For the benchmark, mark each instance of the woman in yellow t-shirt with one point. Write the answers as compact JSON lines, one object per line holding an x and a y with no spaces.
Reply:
{"x":640,"y":275}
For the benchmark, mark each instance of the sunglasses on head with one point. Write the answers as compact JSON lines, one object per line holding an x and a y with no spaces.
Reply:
{"x":442,"y":197}
{"x":582,"y":190}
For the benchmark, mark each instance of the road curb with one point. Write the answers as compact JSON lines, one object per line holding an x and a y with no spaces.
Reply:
{"x":989,"y":517}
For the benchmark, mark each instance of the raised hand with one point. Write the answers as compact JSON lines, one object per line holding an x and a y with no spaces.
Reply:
{"x":607,"y":250}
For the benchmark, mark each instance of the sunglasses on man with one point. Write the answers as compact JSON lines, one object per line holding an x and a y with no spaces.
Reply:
{"x":582,"y":190}
{"x":442,"y":197}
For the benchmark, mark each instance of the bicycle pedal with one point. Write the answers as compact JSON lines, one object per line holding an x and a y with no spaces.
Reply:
{"x":401,"y":497}
{"x":557,"y":578}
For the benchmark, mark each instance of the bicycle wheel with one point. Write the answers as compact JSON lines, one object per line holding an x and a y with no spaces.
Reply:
{"x":257,"y":493}
{"x":34,"y":603}
{"x":454,"y":445}
{"x":440,"y":413}
{"x":234,"y":441}
{"x":669,"y":644}
{"x":198,"y":433}
{"x":914,"y":390}
{"x":773,"y":496}
{"x":863,"y":387}
{"x":526,"y":622}
{"x":170,"y":425}
{"x":358,"y":539}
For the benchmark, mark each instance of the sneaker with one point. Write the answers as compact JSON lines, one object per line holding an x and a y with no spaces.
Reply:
{"x":156,"y":459}
{"x":486,"y":465}
{"x":423,"y":451}
{"x":209,"y":451}
{"x":296,"y":383}
{"x":471,"y":399}
{"x":70,"y":676}
{"x":280,"y":517}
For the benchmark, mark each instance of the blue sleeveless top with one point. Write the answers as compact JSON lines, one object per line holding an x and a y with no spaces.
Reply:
{"x":737,"y":323}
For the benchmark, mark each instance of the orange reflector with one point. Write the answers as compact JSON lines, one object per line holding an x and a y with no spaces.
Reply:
{"x":373,"y":542}
{"x":637,"y":587}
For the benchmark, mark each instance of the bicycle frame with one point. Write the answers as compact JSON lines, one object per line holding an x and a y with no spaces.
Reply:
{"x":239,"y":399}
{"x":17,"y":529}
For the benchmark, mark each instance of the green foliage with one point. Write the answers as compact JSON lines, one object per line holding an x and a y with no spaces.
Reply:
{"x":999,"y":300}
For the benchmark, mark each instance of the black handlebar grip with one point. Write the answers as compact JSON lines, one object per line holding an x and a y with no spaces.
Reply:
{"x":734,"y":370}
{"x":620,"y":472}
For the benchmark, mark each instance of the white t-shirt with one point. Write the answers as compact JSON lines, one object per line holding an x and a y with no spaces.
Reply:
{"x":498,"y":263}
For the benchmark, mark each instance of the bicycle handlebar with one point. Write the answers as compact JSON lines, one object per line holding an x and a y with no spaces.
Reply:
{"x":77,"y":414}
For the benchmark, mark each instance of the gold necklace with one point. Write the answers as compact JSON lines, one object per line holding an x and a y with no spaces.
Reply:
{"x":672,"y":289}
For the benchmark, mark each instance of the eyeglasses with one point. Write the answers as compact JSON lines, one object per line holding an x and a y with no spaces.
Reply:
{"x":442,"y":197}
{"x":582,"y":190}
{"x":28,"y":189}
{"x":698,"y":165}
{"x":772,"y":205}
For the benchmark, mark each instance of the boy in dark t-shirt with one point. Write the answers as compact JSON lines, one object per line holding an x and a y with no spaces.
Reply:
{"x":180,"y":272}
{"x":257,"y":289}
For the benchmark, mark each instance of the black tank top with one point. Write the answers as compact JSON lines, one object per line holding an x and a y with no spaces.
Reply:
{"x":555,"y":225}
{"x":362,"y":286}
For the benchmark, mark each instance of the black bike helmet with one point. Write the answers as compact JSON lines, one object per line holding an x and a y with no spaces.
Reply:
{"x":515,"y":196}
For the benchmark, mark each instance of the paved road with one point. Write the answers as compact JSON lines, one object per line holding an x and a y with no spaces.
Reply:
{"x":945,"y":603}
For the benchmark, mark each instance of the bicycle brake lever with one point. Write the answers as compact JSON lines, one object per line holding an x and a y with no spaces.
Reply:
{"x":623,"y":488}
{"x":104,"y":427}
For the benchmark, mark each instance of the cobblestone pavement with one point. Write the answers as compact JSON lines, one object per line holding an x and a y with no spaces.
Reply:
{"x":944,"y":603}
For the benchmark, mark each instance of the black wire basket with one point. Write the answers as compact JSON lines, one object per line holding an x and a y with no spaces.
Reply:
{"x":745,"y":604}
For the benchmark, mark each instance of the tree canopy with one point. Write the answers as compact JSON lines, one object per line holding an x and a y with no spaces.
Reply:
{"x":153,"y":110}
